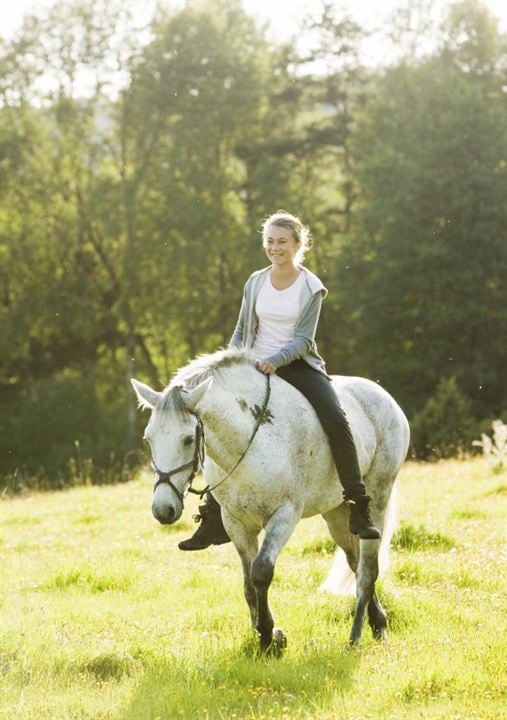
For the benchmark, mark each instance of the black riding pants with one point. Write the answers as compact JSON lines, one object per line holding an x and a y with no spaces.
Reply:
{"x":319,"y":392}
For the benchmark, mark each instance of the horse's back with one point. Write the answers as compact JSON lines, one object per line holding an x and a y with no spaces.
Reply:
{"x":376,"y":402}
{"x":378,"y":423}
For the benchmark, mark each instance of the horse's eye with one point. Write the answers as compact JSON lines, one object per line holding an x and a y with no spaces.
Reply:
{"x":188,"y":440}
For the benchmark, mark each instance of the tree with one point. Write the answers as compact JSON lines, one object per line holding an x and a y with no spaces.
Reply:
{"x":124,"y":255}
{"x":423,"y":276}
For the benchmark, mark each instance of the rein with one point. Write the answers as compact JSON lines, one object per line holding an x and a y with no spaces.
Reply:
{"x":198,"y":458}
{"x":257,"y":426}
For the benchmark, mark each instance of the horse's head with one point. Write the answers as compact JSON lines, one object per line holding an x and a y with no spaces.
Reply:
{"x":173,"y":434}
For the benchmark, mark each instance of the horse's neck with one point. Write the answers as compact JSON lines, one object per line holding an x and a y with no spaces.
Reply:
{"x":230,"y":413}
{"x":244,"y":381}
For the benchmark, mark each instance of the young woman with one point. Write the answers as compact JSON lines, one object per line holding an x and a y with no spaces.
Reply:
{"x":277,"y":323}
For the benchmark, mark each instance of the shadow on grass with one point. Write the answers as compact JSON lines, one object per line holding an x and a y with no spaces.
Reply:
{"x":109,"y":665}
{"x":234,"y":684}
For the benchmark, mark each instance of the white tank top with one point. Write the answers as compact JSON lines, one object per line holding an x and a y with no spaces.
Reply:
{"x":277,"y":311}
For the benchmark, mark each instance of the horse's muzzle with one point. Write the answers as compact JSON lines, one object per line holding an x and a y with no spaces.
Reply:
{"x":165,"y":514}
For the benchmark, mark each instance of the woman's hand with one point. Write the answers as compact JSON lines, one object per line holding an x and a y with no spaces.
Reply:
{"x":265,"y":367}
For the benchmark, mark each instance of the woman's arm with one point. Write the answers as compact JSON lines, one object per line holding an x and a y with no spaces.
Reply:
{"x":304,"y":336}
{"x":237,"y":340}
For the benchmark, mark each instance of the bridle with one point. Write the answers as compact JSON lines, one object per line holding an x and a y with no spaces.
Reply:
{"x":164,"y":478}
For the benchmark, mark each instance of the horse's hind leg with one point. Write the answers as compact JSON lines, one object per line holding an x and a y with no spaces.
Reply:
{"x":279,"y":528}
{"x":366,"y":576}
{"x":364,"y":563}
{"x":337,"y":521}
{"x":377,"y":618}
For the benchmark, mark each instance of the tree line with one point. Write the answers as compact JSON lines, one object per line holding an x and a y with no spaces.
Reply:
{"x":137,"y":163}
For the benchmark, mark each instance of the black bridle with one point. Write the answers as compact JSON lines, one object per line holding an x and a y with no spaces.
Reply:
{"x":164,"y":478}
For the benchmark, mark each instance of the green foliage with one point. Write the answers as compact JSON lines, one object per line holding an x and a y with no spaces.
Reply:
{"x":444,"y":427}
{"x":421,"y":277}
{"x":132,"y":212}
{"x":129,"y":212}
{"x":42,"y":438}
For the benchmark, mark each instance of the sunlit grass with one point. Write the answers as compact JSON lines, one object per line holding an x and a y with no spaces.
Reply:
{"x":103,"y":618}
{"x":413,"y":538}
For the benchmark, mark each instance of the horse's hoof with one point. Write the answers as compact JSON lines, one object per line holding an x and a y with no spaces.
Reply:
{"x":275,"y":646}
{"x":279,"y":638}
{"x":380,"y":634}
{"x":278,"y":643}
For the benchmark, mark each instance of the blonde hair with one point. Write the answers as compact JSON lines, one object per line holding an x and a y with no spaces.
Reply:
{"x":290,"y":222}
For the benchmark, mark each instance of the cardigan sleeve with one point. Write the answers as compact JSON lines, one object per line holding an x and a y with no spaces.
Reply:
{"x":304,"y":335}
{"x":238,"y":336}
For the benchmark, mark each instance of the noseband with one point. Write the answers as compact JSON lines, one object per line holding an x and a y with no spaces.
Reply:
{"x":164,"y":478}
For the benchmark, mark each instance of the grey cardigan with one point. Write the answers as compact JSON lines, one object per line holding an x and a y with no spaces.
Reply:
{"x":303,"y":345}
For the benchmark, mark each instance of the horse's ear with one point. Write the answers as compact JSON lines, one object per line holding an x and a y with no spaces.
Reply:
{"x":191,"y":398}
{"x":146,"y":397}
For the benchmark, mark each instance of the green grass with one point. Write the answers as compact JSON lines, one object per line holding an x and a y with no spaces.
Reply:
{"x":413,"y":538}
{"x":103,"y":618}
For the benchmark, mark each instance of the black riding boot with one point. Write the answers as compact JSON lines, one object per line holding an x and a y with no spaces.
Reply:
{"x":360,"y":522}
{"x":211,"y":530}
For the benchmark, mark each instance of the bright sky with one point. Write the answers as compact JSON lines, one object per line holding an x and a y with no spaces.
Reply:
{"x":283,"y":15}
{"x":281,"y":12}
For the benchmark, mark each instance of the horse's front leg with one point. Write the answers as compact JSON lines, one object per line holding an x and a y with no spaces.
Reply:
{"x":246,"y":544}
{"x":279,"y":528}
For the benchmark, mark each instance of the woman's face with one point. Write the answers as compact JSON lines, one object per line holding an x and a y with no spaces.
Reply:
{"x":280,"y":245}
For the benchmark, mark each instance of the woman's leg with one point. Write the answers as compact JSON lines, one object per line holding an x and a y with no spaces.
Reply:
{"x":319,"y":392}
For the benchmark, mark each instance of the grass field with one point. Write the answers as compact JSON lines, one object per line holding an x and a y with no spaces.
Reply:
{"x":103,"y":617}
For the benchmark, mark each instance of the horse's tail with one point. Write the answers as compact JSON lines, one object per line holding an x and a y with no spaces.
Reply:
{"x":342,"y":579}
{"x":390,"y":523}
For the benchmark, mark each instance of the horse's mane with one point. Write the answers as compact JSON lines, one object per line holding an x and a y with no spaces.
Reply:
{"x":198,"y":370}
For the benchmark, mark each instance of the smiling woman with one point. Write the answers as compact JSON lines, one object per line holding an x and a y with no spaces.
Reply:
{"x":285,"y":234}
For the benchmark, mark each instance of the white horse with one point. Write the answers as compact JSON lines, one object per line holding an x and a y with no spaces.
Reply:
{"x":287,"y":472}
